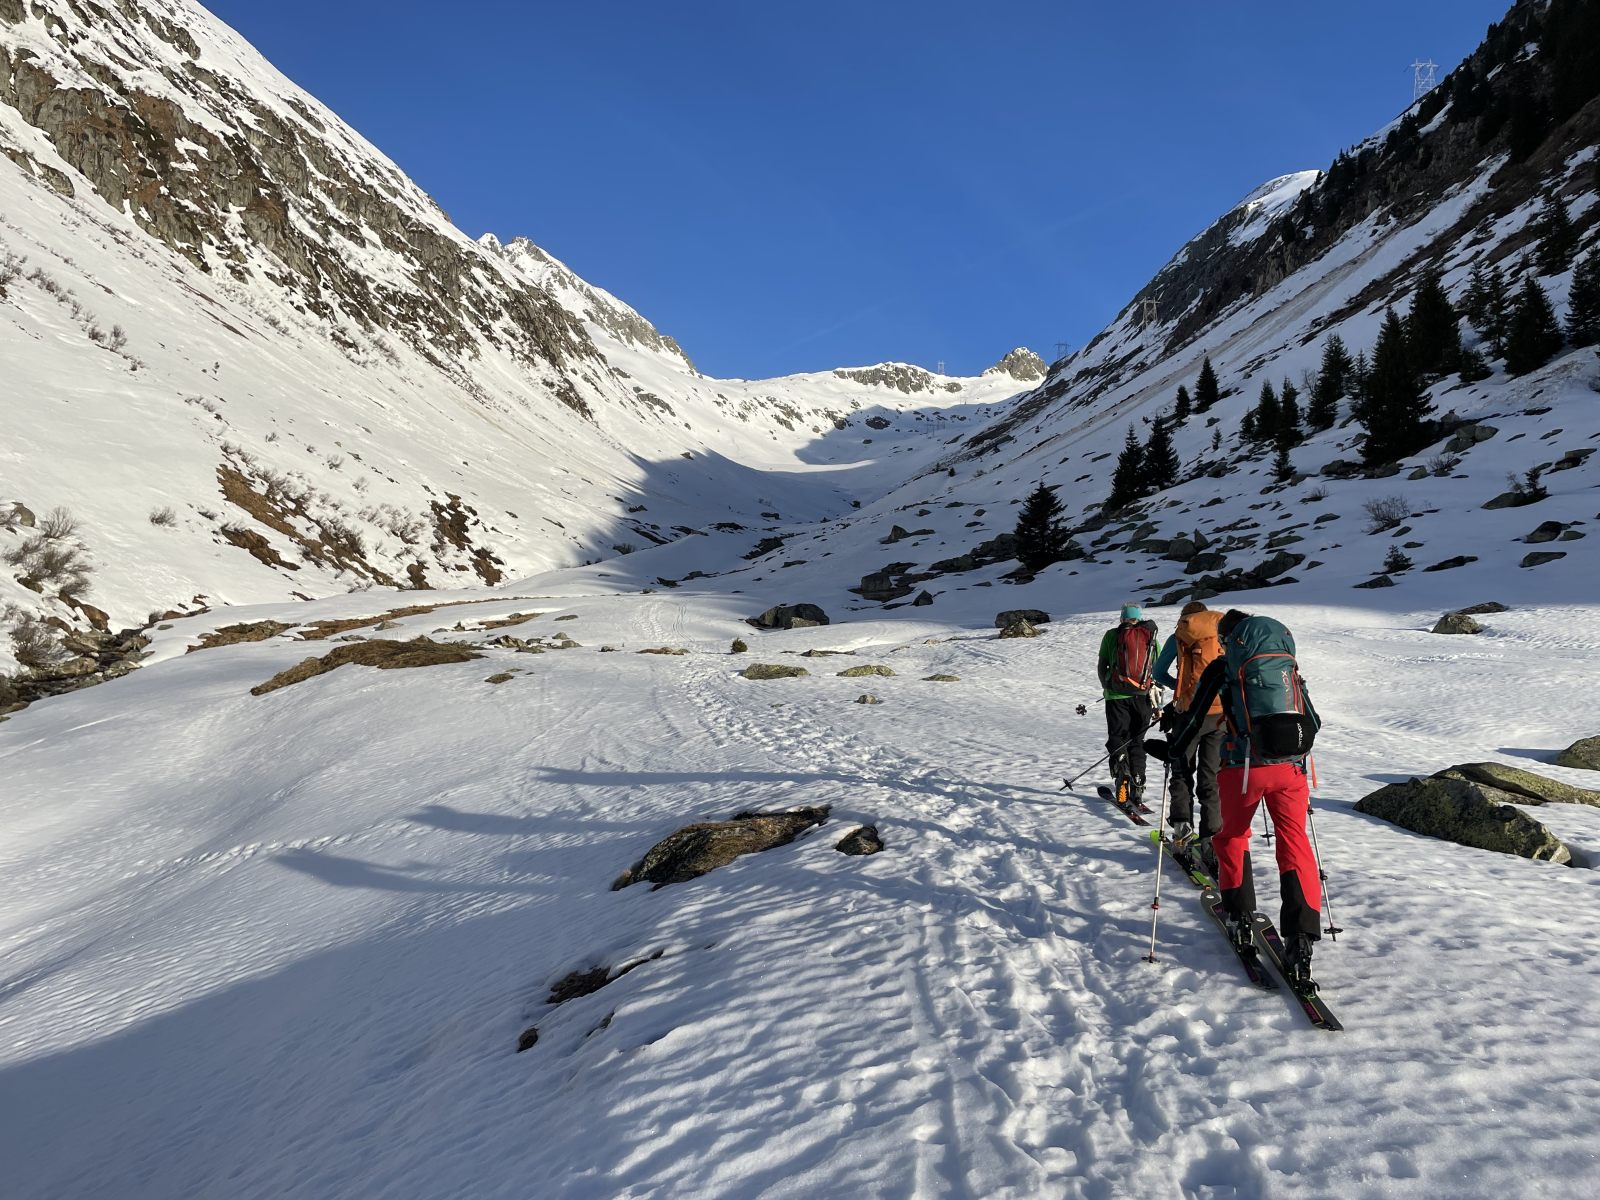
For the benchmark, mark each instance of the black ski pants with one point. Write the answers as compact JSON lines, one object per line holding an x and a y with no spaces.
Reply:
{"x":1196,"y":774}
{"x":1127,"y":721}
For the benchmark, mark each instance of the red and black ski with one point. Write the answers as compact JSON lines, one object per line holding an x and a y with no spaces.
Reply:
{"x":1311,"y":1003}
{"x":1129,"y":809}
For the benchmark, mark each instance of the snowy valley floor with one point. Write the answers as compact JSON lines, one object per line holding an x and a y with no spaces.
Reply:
{"x":285,"y":945}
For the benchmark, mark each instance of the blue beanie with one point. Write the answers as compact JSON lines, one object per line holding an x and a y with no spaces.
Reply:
{"x":1131,"y":612}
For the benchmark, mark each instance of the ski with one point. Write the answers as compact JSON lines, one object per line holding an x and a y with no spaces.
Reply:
{"x":1128,"y":810}
{"x":1311,"y":1003}
{"x":1185,"y":860}
{"x":1249,"y":959}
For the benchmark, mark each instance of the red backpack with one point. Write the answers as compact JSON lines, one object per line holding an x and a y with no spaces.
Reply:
{"x":1134,"y":667}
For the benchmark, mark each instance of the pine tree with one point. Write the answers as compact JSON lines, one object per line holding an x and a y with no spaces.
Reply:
{"x":1206,"y":391}
{"x":1286,"y":434}
{"x":1263,"y":423}
{"x":1158,"y":468}
{"x":1476,"y":295}
{"x":1583,"y":304}
{"x":1433,"y":332}
{"x":1396,"y":408}
{"x":1360,"y":390}
{"x":1180,"y":411}
{"x":1282,"y":467}
{"x":1558,"y":237}
{"x":1129,"y":475}
{"x":1493,"y":314}
{"x":1041,"y":532}
{"x":1533,"y":337}
{"x":1333,"y":381}
{"x":1474,"y":366}
{"x":1396,"y":561}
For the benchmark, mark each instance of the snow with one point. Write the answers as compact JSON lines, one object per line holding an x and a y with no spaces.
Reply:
{"x":1268,"y":202}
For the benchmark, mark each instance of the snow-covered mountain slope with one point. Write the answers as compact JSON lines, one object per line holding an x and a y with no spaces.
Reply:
{"x":340,"y":388}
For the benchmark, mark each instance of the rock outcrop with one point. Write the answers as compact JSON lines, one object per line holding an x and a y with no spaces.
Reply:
{"x":1468,"y":813}
{"x":1583,"y":754}
{"x":707,"y":845}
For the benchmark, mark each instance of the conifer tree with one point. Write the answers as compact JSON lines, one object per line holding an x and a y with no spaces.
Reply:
{"x":1360,"y":390}
{"x":1396,"y":410}
{"x":1264,"y":418}
{"x":1286,"y":435}
{"x":1476,"y":295}
{"x":1180,"y":411}
{"x":1493,"y":314}
{"x":1583,"y":304}
{"x":1433,"y":332}
{"x":1282,"y":467}
{"x":1558,"y":237}
{"x":1206,"y":390}
{"x":1041,"y":532}
{"x":1159,"y":466}
{"x":1333,"y":381}
{"x":1129,"y":475}
{"x":1533,"y":337}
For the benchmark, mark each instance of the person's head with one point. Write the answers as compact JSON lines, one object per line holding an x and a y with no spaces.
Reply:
{"x":1194,"y":606}
{"x":1230,"y":622}
{"x":1132,"y":612}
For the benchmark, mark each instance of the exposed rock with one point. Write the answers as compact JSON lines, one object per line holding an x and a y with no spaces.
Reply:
{"x":1455,"y":622}
{"x":1283,"y":560}
{"x":862,"y":840}
{"x":773,"y":671}
{"x":672,"y":650}
{"x":1489,"y":606}
{"x":385,"y":655}
{"x":878,"y":422}
{"x":528,"y":1038}
{"x":865,"y":669}
{"x":790,"y":616}
{"x":1469,"y":436}
{"x":1584,"y":754}
{"x":1466,"y":812}
{"x":765,"y":546}
{"x":1021,"y":364}
{"x":1011,"y":616}
{"x":924,"y":598}
{"x":1181,"y":549}
{"x":21,"y":514}
{"x":1450,"y":564}
{"x":1548,"y":531}
{"x":1381,"y":581}
{"x":232,"y":635}
{"x":1020,"y":629}
{"x":696,"y":849}
{"x":1417,"y":473}
{"x":867,"y":698}
{"x":1206,"y":561}
{"x":941,"y":679}
{"x":501,"y":677}
{"x":1534,"y":789}
{"x":897,"y":534}
{"x":1539,"y":557}
{"x":881,"y":587}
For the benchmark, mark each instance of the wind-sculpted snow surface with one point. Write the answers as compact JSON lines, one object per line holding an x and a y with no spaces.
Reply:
{"x":285,"y":945}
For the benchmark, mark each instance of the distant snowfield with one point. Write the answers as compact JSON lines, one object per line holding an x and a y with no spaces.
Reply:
{"x":285,"y":945}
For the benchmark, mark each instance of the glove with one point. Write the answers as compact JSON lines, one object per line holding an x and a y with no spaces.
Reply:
{"x":1169,"y":718}
{"x":1158,"y":749}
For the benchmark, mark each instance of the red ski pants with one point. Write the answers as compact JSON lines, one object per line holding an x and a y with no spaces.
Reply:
{"x":1287,"y":794}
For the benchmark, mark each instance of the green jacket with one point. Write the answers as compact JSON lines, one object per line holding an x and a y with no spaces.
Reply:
{"x":1108,"y":660}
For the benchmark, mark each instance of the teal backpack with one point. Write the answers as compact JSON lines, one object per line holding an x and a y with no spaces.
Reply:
{"x":1266,"y":701}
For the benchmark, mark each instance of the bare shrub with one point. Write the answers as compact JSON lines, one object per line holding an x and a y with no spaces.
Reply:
{"x":1386,"y":512}
{"x":1316,"y":495}
{"x":58,"y":523}
{"x":624,"y":547}
{"x":119,"y":338}
{"x":334,"y":462}
{"x":163,"y":516}
{"x":33,"y":643}
{"x":10,"y":271}
{"x":342,"y":538}
{"x":1443,"y":464}
{"x":96,"y":334}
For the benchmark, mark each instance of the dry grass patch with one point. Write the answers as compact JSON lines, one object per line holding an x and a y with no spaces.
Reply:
{"x":385,"y":655}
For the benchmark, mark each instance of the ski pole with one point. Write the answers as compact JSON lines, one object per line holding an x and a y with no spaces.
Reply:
{"x":1333,"y":931}
{"x":1161,"y":847}
{"x":1266,"y":829}
{"x":1073,"y":781}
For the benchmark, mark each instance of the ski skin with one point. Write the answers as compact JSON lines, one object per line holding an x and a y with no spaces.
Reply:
{"x":1311,"y":1003}
{"x":1128,"y":810}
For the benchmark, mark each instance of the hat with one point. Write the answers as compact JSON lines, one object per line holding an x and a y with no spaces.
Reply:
{"x":1131,"y":612}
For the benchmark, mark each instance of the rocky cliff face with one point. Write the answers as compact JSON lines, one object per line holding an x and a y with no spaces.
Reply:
{"x":1020,"y":364}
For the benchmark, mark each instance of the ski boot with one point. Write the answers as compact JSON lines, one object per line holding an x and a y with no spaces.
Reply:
{"x":1205,"y":856}
{"x":1242,"y":936}
{"x":1182,"y":833}
{"x":1297,"y":966}
{"x":1136,"y":793}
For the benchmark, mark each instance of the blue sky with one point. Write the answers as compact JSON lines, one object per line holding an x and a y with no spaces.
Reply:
{"x":796,"y":187}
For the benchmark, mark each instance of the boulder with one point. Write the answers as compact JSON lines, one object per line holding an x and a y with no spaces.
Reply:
{"x":772,"y":671}
{"x":22,"y":514}
{"x":790,"y":616}
{"x":1547,"y":531}
{"x":924,"y":598}
{"x":1455,"y":622}
{"x":696,"y":849}
{"x":867,"y":698}
{"x":863,"y":840}
{"x":1011,"y":616}
{"x":881,"y":587}
{"x":1539,"y":557}
{"x":1205,"y":562}
{"x":1532,"y":788}
{"x":1488,"y":606}
{"x":865,"y":669}
{"x":1181,"y":549}
{"x":1583,"y":754}
{"x":1283,"y":560}
{"x":1466,"y":812}
{"x":941,"y":679}
{"x":1450,"y":564}
{"x":1020,"y":629}
{"x":1469,"y":436}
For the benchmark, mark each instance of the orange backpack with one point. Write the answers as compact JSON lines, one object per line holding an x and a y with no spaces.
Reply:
{"x":1198,"y":645}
